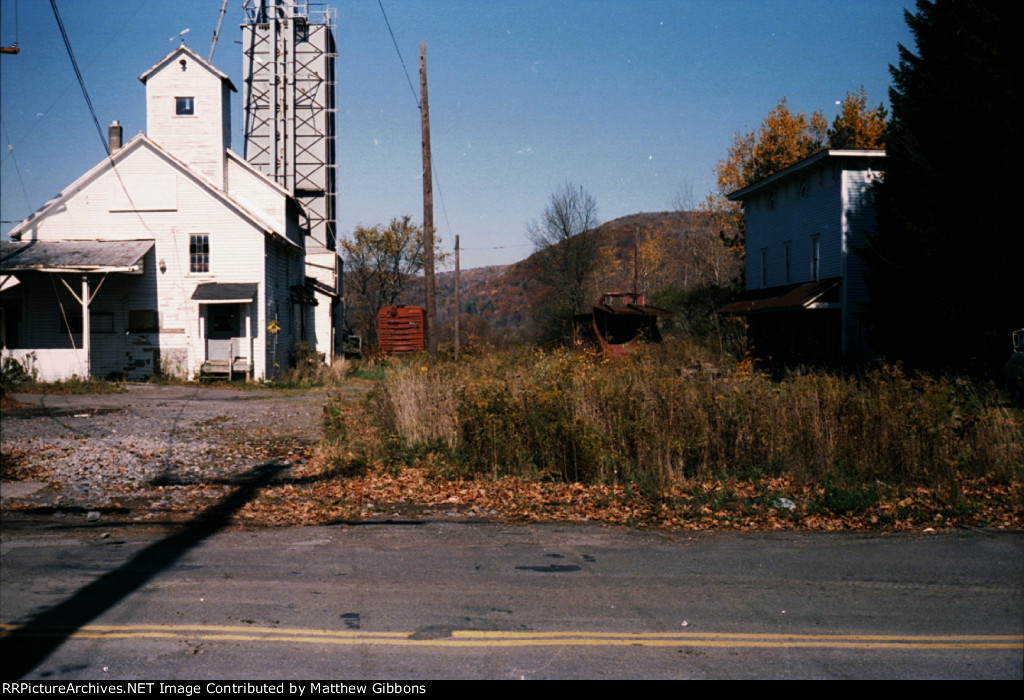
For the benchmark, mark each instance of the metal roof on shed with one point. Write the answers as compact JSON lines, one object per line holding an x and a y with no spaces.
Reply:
{"x":73,"y":256}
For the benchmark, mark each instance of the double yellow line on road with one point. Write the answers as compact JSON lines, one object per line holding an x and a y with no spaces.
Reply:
{"x":471,"y":638}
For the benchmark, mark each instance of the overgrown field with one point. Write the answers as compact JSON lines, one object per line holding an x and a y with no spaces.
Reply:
{"x":683,"y":440}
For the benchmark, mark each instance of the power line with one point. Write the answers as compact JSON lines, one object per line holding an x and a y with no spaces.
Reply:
{"x":408,"y":78}
{"x":78,"y":74}
{"x":498,"y":247}
{"x":17,"y":169}
{"x":95,"y":56}
{"x":402,"y":60}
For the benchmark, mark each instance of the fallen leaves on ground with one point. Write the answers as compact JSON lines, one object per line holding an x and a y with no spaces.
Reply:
{"x":414,"y":492}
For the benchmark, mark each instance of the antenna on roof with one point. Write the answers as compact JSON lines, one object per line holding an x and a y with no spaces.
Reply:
{"x":216,"y":32}
{"x":180,"y":35}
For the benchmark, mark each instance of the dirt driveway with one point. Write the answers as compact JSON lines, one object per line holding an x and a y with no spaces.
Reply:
{"x":149,"y":453}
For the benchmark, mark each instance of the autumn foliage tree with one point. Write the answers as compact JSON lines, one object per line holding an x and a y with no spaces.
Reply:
{"x":380,"y":262}
{"x":782,"y":139}
{"x":858,"y":126}
{"x":786,"y":137}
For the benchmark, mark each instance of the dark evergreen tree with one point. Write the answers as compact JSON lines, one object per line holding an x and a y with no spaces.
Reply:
{"x":947,"y":263}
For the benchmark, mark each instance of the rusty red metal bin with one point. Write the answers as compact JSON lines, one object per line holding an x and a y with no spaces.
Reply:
{"x":402,"y":329}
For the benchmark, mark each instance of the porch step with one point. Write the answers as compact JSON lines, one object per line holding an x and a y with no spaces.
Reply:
{"x":218,"y":367}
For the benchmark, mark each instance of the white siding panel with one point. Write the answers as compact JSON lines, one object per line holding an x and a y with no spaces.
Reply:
{"x":256,"y":193}
{"x":795,"y":218}
{"x":197,"y":139}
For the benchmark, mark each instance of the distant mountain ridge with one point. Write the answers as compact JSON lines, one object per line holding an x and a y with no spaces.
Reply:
{"x":501,"y":296}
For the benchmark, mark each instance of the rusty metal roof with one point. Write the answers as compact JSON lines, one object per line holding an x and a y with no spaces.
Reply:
{"x":803,"y":295}
{"x":628,"y":303}
{"x":73,"y":256}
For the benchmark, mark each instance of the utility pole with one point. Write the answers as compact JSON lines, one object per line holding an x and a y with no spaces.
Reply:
{"x":428,"y":210}
{"x":636,"y":259}
{"x":458,"y":298}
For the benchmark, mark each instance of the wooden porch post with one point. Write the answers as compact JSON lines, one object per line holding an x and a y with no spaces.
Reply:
{"x":86,"y":340}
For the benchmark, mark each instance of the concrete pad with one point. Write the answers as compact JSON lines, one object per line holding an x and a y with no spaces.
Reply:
{"x":20,"y":489}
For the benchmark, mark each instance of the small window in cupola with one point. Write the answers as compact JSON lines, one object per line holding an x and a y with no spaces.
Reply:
{"x":184,"y":106}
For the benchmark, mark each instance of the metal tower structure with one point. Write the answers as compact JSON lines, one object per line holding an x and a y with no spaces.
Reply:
{"x":288,"y":59}
{"x":288,"y":56}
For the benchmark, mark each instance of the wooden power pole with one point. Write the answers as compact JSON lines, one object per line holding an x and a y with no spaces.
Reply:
{"x":428,"y":210}
{"x":458,"y":298}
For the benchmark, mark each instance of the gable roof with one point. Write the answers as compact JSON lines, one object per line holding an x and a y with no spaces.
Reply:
{"x":232,"y":156}
{"x":143,"y":141}
{"x":808,"y":162}
{"x":185,"y":51}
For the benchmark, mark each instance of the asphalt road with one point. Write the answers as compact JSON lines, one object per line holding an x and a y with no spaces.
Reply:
{"x":450,"y":600}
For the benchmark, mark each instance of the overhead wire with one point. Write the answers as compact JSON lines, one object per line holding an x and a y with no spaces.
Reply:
{"x":17,"y":168}
{"x":415,"y":97}
{"x":95,"y":55}
{"x":78,"y":74}
{"x":106,"y":146}
{"x":408,"y":78}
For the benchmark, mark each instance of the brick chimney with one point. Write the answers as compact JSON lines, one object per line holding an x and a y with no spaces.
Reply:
{"x":114,"y":134}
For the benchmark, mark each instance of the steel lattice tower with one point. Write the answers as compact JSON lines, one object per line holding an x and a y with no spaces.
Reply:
{"x":288,"y":56}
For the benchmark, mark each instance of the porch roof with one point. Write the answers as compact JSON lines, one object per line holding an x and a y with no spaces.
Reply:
{"x":225,"y":292}
{"x":803,"y":295}
{"x":73,"y":256}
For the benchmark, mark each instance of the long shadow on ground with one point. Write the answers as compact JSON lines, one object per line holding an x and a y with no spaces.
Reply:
{"x":29,"y":645}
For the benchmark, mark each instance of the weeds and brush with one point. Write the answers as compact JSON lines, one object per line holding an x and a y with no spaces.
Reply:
{"x":568,"y":416}
{"x":664,"y":440}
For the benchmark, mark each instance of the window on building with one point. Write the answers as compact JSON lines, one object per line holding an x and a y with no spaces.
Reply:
{"x":143,"y":321}
{"x":184,"y":105}
{"x":815,"y":258}
{"x":764,"y":267}
{"x":199,"y":252}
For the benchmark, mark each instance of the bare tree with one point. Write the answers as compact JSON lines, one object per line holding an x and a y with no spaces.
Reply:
{"x":567,"y":252}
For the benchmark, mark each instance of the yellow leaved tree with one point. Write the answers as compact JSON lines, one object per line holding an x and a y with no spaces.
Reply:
{"x":857,"y":125}
{"x":782,"y":139}
{"x":786,"y":137}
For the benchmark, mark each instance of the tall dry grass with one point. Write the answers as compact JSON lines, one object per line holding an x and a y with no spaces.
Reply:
{"x":655,"y":419}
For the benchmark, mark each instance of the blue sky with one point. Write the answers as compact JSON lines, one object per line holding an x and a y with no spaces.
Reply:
{"x":634,"y":100}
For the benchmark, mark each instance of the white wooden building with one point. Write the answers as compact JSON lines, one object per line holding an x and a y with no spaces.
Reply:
{"x":171,"y":255}
{"x":805,"y":289}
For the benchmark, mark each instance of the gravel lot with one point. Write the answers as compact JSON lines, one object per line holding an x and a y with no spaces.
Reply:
{"x":151,"y":452}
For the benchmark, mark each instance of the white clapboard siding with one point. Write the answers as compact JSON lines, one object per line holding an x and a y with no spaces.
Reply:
{"x":827,"y":197}
{"x":177,"y":181}
{"x":199,"y":138}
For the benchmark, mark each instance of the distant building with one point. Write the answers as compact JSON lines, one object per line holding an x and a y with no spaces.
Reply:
{"x":174,"y":254}
{"x":805,"y":289}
